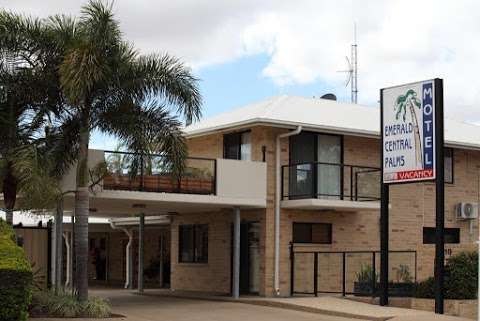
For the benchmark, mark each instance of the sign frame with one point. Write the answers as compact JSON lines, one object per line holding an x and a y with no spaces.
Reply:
{"x":439,"y":179}
{"x":423,"y":135}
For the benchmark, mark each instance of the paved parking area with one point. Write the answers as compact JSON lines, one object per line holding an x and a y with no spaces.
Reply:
{"x":154,"y":308}
{"x":150,"y":308}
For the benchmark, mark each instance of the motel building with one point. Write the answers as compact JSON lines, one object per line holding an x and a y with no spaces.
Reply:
{"x":280,"y":197}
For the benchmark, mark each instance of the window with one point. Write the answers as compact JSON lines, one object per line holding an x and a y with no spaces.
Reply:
{"x":193,"y":243}
{"x":448,"y":163}
{"x":315,"y":166}
{"x":238,"y":146}
{"x":452,"y":235}
{"x":319,"y":233}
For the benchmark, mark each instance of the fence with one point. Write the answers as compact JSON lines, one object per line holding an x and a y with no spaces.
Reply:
{"x":350,"y":272}
{"x":151,"y":173}
{"x":330,"y":181}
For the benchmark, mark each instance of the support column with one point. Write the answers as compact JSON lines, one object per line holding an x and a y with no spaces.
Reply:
{"x":59,"y":246}
{"x":236,"y":254}
{"x":160,"y":269}
{"x":141,"y":246}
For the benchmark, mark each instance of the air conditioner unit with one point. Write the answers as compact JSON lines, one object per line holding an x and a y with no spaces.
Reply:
{"x":467,"y":211}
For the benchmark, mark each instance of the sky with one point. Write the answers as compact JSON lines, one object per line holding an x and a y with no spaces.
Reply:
{"x":247,"y":50}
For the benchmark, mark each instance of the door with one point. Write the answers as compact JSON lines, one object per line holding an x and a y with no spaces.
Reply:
{"x":249,"y":257}
{"x":301,"y":169}
{"x":329,"y":171}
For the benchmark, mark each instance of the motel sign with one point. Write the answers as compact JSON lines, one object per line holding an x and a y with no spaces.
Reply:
{"x":408,"y":133}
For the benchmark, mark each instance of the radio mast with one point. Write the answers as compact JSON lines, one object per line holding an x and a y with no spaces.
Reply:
{"x":352,"y":71}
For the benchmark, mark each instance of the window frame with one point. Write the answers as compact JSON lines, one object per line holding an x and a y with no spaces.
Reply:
{"x":196,"y":259}
{"x":239,"y":147}
{"x":455,"y":230}
{"x":330,"y":232}
{"x":314,"y":192}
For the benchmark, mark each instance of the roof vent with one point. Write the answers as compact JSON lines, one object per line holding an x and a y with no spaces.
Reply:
{"x":329,"y":97}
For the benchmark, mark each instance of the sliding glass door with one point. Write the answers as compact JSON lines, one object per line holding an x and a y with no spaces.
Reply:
{"x":315,"y":166}
{"x":329,"y":172}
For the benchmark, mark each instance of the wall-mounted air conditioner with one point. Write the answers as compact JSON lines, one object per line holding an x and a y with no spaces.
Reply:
{"x":466,"y":211}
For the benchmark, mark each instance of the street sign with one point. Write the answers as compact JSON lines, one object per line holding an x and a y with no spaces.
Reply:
{"x":408,"y":132}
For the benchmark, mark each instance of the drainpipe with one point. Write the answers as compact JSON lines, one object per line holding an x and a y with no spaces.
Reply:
{"x":277,"y":205}
{"x":128,"y":264}
{"x":69,"y":259}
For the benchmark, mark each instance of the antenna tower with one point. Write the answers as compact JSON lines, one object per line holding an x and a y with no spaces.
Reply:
{"x":352,"y":71}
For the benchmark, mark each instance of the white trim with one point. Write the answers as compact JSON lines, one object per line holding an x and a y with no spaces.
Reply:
{"x":325,"y":204}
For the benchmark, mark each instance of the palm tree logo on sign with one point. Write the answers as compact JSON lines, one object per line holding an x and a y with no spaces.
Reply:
{"x":409,"y":100}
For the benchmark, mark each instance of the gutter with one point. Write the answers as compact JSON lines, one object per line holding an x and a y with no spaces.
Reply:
{"x":278,"y":183}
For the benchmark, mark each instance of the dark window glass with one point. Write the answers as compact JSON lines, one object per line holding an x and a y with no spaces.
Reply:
{"x":448,"y":159}
{"x":319,"y":233}
{"x":237,"y":146}
{"x":452,"y":235}
{"x":193,"y":243}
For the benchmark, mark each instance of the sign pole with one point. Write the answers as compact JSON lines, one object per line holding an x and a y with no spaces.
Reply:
{"x":384,"y":237}
{"x":439,"y":199}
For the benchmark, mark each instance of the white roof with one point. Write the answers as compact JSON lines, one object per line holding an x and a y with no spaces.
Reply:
{"x":321,"y":115}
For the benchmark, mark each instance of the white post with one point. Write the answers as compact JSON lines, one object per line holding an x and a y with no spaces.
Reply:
{"x":141,"y":248}
{"x":69,"y":259}
{"x":236,"y":253}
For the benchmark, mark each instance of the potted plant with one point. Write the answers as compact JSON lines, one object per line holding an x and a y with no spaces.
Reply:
{"x":364,"y":280}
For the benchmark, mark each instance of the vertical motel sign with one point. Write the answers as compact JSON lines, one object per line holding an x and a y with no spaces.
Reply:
{"x":412,"y":151}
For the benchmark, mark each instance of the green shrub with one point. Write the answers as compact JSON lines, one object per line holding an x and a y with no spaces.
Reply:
{"x":365,"y":275}
{"x":96,"y":308}
{"x":15,"y":277}
{"x":66,"y":305}
{"x":461,"y":278}
{"x":425,"y":289}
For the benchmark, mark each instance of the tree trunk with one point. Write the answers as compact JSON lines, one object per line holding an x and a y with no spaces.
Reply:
{"x":9,"y":216}
{"x":81,"y":216}
{"x":9,"y":194}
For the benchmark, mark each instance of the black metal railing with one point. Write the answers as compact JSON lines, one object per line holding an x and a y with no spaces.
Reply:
{"x":330,"y":181}
{"x":151,"y":173}
{"x":350,"y":272}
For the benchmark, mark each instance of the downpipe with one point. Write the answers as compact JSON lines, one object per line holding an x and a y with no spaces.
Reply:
{"x":278,"y":183}
{"x":128,"y":281}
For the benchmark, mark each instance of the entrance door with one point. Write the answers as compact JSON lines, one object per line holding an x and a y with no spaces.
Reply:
{"x":249,"y":257}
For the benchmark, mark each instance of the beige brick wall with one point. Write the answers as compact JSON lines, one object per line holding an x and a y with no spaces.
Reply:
{"x":412,"y":208}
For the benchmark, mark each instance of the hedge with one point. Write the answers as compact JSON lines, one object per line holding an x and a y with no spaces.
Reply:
{"x":461,"y":278}
{"x":15,"y":277}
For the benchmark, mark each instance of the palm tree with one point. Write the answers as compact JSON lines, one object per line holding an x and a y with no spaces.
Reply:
{"x":410,"y":100}
{"x":29,"y":95}
{"x":112,"y":88}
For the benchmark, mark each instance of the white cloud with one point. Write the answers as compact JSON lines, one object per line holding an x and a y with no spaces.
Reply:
{"x":399,"y":40}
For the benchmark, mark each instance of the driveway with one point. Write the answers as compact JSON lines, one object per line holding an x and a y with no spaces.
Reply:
{"x":153,"y":308}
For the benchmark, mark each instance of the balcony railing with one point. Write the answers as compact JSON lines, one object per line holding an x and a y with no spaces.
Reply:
{"x":330,"y":181}
{"x":150,"y":173}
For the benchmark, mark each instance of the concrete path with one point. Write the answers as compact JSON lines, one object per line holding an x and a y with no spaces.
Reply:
{"x":324,"y":305}
{"x":154,"y":308}
{"x":162,"y":305}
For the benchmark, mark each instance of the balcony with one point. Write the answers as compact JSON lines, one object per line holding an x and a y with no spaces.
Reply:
{"x":330,"y":186}
{"x":150,"y":173}
{"x":144,"y":183}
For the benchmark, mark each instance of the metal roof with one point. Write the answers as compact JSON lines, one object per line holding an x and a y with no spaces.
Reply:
{"x":321,"y":115}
